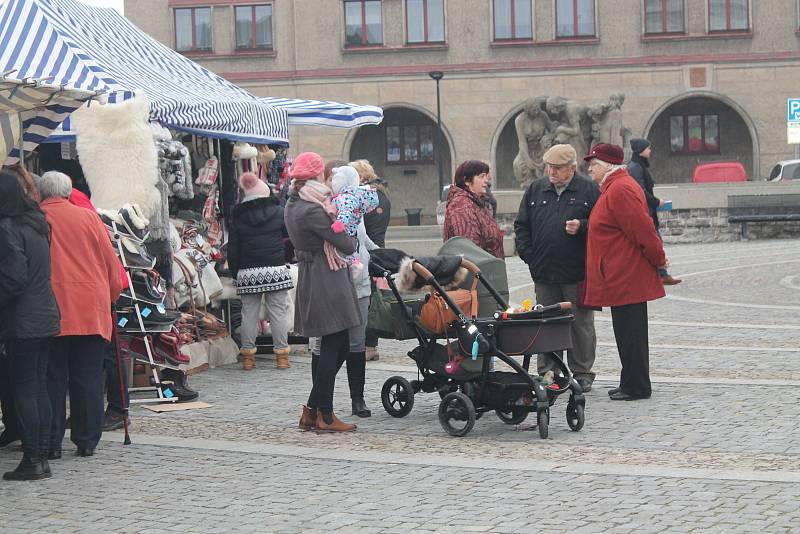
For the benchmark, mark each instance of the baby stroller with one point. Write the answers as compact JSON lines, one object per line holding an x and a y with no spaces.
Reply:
{"x":461,"y":371}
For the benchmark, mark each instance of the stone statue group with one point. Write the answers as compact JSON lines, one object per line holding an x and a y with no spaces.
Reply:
{"x":551,"y":120}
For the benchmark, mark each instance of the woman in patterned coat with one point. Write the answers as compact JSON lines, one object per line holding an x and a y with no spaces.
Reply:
{"x":467,"y":213}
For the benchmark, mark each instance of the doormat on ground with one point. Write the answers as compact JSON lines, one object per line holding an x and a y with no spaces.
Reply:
{"x":177,"y":407}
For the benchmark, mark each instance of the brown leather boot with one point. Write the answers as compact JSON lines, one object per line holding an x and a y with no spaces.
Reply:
{"x":336,"y":425}
{"x":282,"y":358}
{"x":248,"y":359}
{"x":308,"y":419}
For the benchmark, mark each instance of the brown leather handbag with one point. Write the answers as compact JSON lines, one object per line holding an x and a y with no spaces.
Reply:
{"x":435,"y":315}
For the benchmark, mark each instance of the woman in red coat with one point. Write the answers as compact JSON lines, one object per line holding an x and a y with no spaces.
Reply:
{"x":467,"y":213}
{"x":623,"y":254}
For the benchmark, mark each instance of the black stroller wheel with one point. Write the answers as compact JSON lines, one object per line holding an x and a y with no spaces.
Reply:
{"x":446,"y":391}
{"x":397,"y":396}
{"x":542,"y":420}
{"x":513,"y":417}
{"x":457,"y":414}
{"x":575,"y":416}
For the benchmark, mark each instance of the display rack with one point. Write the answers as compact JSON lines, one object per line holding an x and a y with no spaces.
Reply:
{"x":146,"y":337}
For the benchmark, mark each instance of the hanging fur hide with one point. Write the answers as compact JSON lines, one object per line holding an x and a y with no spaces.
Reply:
{"x":117,"y":153}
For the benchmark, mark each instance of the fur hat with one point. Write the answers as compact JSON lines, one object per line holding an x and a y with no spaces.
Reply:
{"x":609,"y":153}
{"x":307,"y":166}
{"x":560,"y":155}
{"x":342,"y":177}
{"x":253,"y":186}
{"x":244,"y":151}
{"x":265,"y":154}
{"x":639,"y":145}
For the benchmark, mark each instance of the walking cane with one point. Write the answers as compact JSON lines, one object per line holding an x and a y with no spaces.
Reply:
{"x":123,"y":394}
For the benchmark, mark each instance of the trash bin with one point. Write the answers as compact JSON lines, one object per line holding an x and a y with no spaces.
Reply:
{"x":414,"y":216}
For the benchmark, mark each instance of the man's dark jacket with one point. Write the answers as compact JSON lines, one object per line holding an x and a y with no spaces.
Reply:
{"x":377,"y":221}
{"x":554,"y":256}
{"x":639,"y":169}
{"x":256,"y":236}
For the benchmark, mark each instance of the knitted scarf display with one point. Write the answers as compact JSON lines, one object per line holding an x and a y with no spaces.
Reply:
{"x":319,"y":193}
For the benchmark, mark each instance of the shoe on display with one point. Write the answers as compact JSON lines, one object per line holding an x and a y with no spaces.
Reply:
{"x":133,"y":222}
{"x":135,"y":256}
{"x":147,"y":286}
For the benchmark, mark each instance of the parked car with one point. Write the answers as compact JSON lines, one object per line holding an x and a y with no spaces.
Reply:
{"x":731,"y":171}
{"x":784,"y":171}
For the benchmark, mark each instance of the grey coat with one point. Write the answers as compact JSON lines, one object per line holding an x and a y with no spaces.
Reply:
{"x":363,"y":282}
{"x":326,"y":301}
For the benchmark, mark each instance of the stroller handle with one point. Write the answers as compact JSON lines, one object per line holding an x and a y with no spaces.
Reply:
{"x":426,"y":275}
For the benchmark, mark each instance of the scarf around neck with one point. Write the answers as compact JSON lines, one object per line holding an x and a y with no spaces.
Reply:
{"x":319,"y":193}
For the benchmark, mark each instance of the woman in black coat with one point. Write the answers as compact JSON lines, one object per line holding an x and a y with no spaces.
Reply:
{"x":29,"y":319}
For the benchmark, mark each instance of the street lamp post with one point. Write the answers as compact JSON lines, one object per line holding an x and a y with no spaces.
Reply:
{"x":438,"y":75}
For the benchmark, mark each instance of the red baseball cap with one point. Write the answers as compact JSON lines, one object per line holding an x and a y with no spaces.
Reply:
{"x":606,"y":152}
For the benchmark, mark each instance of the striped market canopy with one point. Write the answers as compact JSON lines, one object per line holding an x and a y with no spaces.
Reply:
{"x":322,"y":113}
{"x":70,"y":44}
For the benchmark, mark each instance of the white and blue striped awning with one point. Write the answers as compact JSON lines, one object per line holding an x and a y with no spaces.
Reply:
{"x":67,"y":43}
{"x":32,"y":109}
{"x":323,"y":113}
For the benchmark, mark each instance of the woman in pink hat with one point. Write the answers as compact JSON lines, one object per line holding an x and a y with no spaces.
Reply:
{"x":326,"y":301}
{"x":623,"y":255}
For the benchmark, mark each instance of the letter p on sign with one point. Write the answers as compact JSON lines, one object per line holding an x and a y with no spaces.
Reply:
{"x":794,"y":110}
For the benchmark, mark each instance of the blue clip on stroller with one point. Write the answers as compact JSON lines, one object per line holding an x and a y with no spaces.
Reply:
{"x":461,"y":371}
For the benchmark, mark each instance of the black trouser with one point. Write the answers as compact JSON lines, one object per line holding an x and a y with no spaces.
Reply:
{"x":371,"y":340}
{"x":630,"y":331}
{"x":28,"y":360}
{"x":356,"y":371}
{"x":7,"y":396}
{"x":112,"y":364}
{"x":77,"y":360}
{"x":334,"y":349}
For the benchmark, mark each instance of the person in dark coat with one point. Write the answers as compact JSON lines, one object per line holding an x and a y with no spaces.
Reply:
{"x":639,"y":169}
{"x":623,"y":254}
{"x":550,"y":235}
{"x":29,"y":320}
{"x":257,"y":262}
{"x":326,"y":304}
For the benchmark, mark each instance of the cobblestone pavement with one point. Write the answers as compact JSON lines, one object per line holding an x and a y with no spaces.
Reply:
{"x":716,"y":449}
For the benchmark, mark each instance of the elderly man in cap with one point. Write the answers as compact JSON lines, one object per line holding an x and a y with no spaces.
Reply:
{"x":550,"y":231}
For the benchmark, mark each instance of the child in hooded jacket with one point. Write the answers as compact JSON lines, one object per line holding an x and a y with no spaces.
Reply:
{"x":352,"y":202}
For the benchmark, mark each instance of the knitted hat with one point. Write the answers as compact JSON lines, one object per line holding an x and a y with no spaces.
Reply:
{"x":342,"y":177}
{"x":307,"y":166}
{"x":253,"y":186}
{"x":560,"y":155}
{"x":639,"y":145}
{"x":612,"y":154}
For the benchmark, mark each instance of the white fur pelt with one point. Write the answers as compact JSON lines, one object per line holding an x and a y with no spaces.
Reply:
{"x":117,"y":153}
{"x":407,"y":277}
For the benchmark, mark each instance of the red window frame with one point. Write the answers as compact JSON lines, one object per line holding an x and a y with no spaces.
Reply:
{"x":513,"y":24}
{"x":403,"y":161}
{"x":685,"y":150}
{"x":364,"y":41}
{"x":575,"y":34}
{"x":728,"y":18}
{"x":194,"y":28}
{"x":664,"y":19}
{"x":425,"y":24}
{"x":253,"y":40}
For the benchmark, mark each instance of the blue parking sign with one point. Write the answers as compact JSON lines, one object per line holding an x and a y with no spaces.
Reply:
{"x":794,"y":110}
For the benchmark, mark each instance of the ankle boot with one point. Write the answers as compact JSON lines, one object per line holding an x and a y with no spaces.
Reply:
{"x":28,"y":469}
{"x":334,"y":424}
{"x":360,"y":408}
{"x":282,"y":358}
{"x":45,"y":464}
{"x":248,"y":359}
{"x":308,"y":419}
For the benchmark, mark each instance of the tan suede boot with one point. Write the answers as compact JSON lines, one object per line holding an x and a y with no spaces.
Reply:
{"x":337,"y":425}
{"x":248,"y":359}
{"x":282,"y":358}
{"x":308,"y":419}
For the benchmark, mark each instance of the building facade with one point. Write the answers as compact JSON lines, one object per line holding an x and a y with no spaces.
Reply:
{"x":704,"y":80}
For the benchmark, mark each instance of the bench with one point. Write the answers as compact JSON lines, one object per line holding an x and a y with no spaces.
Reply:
{"x":746,"y":209}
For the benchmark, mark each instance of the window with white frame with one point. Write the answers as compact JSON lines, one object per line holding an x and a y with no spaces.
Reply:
{"x":575,"y":18}
{"x":192,"y":29}
{"x":424,"y":21}
{"x":664,"y":16}
{"x":513,"y":20}
{"x":728,"y":15}
{"x":254,"y":27}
